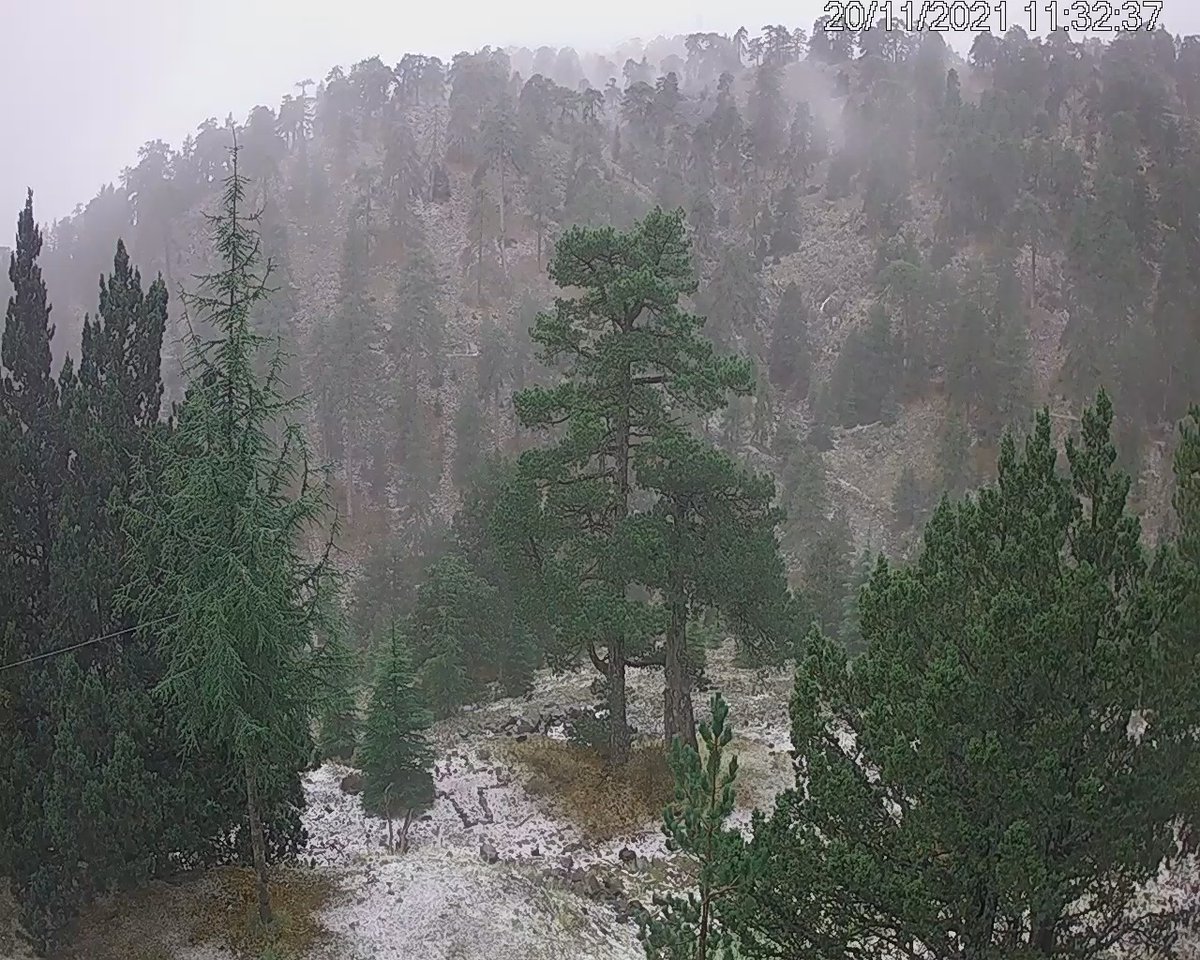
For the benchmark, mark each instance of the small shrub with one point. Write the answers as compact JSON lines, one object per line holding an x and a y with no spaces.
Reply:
{"x":603,"y":800}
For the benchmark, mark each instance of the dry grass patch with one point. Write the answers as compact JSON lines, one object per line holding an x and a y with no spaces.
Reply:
{"x":296,"y":897}
{"x":162,"y":919}
{"x":604,"y":801}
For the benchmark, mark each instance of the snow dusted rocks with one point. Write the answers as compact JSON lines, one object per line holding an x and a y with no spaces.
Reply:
{"x":490,"y":874}
{"x":454,"y":894}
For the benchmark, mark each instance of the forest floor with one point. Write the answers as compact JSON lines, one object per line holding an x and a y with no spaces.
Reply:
{"x":530,"y":851}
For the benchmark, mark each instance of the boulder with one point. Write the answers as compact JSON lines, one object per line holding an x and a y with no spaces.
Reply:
{"x":488,"y":853}
{"x":352,"y":783}
{"x":625,"y":855}
{"x":593,"y":886}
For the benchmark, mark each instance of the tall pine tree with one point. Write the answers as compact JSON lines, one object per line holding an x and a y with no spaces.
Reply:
{"x":222,"y":541}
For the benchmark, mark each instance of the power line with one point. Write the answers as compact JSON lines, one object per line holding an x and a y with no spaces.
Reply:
{"x":83,"y":643}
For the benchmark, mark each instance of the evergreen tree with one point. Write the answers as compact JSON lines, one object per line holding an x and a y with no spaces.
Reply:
{"x":416,"y":341}
{"x":790,"y":363}
{"x":954,"y":452}
{"x":33,"y":458}
{"x":1000,"y":798}
{"x":707,"y":543}
{"x":35,"y":450}
{"x":635,"y":361}
{"x":337,"y":716}
{"x":826,"y":571}
{"x":862,"y":388}
{"x":396,"y":756}
{"x":219,"y":562}
{"x":850,"y":630}
{"x":805,"y":496}
{"x":690,"y":928}
{"x":453,"y":633}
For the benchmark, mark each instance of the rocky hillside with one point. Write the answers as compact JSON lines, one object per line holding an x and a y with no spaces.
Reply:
{"x":410,"y":210}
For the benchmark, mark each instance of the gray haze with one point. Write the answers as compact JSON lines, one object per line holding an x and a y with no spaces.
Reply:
{"x":86,"y":83}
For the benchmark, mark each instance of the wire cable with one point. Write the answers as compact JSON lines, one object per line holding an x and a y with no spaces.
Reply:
{"x":84,"y":643}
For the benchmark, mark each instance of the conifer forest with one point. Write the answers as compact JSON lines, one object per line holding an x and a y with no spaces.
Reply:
{"x":734,"y":496}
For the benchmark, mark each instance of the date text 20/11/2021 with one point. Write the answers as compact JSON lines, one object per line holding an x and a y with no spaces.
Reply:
{"x":981,"y":16}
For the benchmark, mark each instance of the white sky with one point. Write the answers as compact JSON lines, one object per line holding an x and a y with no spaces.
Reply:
{"x":83,"y":83}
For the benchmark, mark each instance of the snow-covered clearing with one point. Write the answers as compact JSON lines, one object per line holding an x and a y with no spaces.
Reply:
{"x":551,"y":892}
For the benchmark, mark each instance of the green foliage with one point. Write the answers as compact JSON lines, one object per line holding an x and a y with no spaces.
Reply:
{"x":337,"y":718}
{"x":862,"y":388}
{"x":709,"y":541}
{"x":104,"y":796}
{"x":826,"y":571}
{"x":993,"y":713}
{"x":451,"y":633}
{"x":634,"y":360}
{"x":790,"y":363}
{"x":219,"y":539}
{"x":849,"y":632}
{"x":396,"y":756}
{"x":219,"y":559}
{"x":690,"y":927}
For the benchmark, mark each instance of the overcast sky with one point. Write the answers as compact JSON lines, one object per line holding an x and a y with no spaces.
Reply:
{"x":86,"y":82}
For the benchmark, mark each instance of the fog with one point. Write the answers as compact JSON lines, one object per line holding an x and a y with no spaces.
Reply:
{"x":88,"y":83}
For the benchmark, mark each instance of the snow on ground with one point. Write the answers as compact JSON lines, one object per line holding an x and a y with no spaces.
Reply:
{"x":442,"y":900}
{"x":550,"y":892}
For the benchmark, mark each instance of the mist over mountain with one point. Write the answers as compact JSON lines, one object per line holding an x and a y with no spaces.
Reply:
{"x":448,"y":426}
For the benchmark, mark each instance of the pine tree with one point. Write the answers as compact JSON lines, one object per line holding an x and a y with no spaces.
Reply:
{"x":790,"y":364}
{"x":690,"y":928}
{"x":850,"y":630}
{"x":36,"y":451}
{"x":453,"y":633}
{"x":954,"y":453}
{"x":33,"y":459}
{"x":416,"y":341}
{"x":996,"y":706}
{"x":220,"y":539}
{"x":827,"y":569}
{"x":636,"y":361}
{"x":396,"y":756}
{"x":708,"y":542}
{"x":862,"y":388}
{"x":337,"y":718}
{"x":347,"y":369}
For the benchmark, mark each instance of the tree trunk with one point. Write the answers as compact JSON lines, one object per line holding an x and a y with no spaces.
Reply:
{"x":618,"y":721}
{"x":702,"y":939}
{"x":503,"y":235}
{"x":679,"y":718}
{"x":1042,"y":936}
{"x":618,"y":742}
{"x":258,"y":844}
{"x":408,"y":816}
